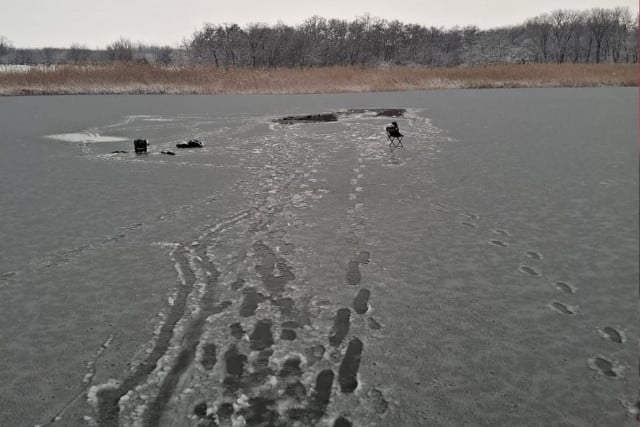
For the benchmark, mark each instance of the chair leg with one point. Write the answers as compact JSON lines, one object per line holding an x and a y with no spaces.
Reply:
{"x":395,"y":141}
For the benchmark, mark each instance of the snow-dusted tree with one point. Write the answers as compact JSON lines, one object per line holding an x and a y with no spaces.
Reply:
{"x":621,"y":27}
{"x":564,"y":24}
{"x":120,"y":50}
{"x":600,"y":23}
{"x":6,"y":46}
{"x":539,"y":34}
{"x":78,"y":53}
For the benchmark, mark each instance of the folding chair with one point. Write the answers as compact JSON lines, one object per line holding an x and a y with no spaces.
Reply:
{"x":394,"y":136}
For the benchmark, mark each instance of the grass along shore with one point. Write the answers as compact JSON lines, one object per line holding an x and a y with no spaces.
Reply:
{"x":153,"y":79}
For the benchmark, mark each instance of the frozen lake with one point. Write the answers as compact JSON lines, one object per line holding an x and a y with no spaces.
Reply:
{"x":301,"y":274}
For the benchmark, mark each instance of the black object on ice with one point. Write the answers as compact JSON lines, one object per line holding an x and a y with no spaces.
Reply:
{"x":167,"y":152}
{"x":119,"y":152}
{"x":192,"y":143}
{"x":394,"y":135}
{"x":140,"y":145}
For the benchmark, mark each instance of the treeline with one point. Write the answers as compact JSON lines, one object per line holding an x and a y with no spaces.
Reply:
{"x":590,"y":36}
{"x":122,"y":50}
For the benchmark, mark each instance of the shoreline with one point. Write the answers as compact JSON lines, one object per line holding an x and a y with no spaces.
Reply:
{"x":146,"y":79}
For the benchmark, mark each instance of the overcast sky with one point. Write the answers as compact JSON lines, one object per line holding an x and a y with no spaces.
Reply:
{"x":59,"y":23}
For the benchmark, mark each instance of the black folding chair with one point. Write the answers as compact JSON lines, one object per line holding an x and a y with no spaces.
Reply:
{"x":394,"y":136}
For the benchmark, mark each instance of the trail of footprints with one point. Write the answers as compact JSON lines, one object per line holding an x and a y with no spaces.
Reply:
{"x":501,"y":238}
{"x":272,"y":386}
{"x":274,"y":363}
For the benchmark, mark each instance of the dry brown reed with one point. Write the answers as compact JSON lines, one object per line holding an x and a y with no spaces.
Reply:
{"x":153,"y":79}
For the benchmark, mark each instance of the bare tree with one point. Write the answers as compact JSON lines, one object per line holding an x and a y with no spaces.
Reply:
{"x":78,"y":53}
{"x":257,"y":38}
{"x":539,"y":29}
{"x":165,"y":55}
{"x":120,"y":50}
{"x":622,"y":25}
{"x":564,"y":24}
{"x":335,"y":51}
{"x":51,"y":55}
{"x":204,"y":46}
{"x":600,"y":22}
{"x":6,"y":46}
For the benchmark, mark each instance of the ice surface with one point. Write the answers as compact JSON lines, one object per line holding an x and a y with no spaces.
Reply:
{"x":197,"y":264}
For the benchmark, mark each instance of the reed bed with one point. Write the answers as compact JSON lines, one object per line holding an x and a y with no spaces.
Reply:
{"x":154,"y":79}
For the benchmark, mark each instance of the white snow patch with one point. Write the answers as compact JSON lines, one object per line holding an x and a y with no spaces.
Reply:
{"x":85,"y":137}
{"x":92,"y":394}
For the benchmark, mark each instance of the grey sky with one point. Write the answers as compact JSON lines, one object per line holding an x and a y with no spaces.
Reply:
{"x":37,"y":23}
